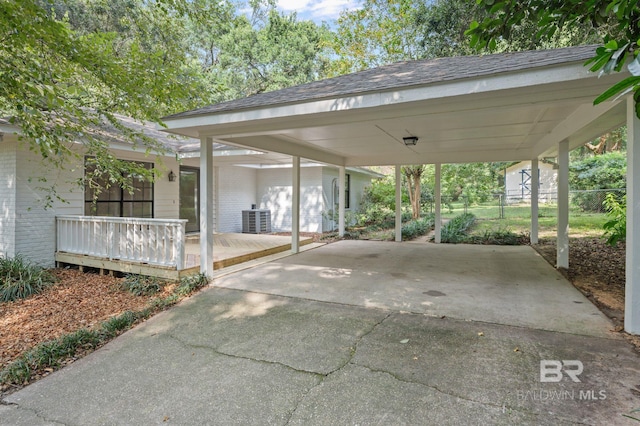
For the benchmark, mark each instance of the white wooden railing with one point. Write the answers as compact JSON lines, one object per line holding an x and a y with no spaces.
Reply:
{"x":152,"y":241}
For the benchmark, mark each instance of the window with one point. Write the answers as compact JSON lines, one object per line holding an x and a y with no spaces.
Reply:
{"x":118,"y":202}
{"x":347,"y":190}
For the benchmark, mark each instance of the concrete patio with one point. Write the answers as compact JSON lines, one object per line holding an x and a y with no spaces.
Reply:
{"x":357,"y":333}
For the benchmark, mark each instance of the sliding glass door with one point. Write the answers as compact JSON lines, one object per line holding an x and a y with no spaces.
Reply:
{"x":190,"y":197}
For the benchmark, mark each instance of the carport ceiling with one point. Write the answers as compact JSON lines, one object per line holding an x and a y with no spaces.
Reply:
{"x":505,"y":107}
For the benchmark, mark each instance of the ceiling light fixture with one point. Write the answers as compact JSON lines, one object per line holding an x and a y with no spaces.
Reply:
{"x":410,"y":140}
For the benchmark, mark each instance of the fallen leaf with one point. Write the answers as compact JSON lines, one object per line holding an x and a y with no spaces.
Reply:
{"x":404,"y":341}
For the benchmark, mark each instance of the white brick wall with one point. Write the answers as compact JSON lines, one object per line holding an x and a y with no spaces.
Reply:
{"x":236,"y":191}
{"x":275,"y":192}
{"x":35,"y":223}
{"x":7,"y":197}
{"x":31,"y":231}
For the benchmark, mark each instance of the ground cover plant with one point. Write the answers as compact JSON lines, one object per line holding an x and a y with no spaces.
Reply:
{"x":456,"y":230}
{"x":47,"y":331}
{"x":20,"y":278}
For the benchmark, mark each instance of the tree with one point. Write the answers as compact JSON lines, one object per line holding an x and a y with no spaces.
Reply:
{"x":413,"y":174}
{"x":440,"y":27}
{"x":278,"y":53}
{"x":609,"y":142}
{"x":615,"y":20}
{"x":477,"y":182}
{"x":605,"y":171}
{"x":378,"y":33}
{"x":62,"y":75}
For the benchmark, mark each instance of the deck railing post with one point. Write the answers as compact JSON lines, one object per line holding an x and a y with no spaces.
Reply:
{"x":111,"y":240}
{"x":180,"y":241}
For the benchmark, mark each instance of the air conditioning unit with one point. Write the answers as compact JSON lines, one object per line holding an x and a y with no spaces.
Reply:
{"x":256,"y":221}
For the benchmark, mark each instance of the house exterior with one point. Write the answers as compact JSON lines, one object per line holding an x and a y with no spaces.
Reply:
{"x":518,"y":182}
{"x":242,"y":180}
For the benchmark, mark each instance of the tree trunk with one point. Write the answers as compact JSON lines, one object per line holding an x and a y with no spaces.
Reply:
{"x":414,"y":175}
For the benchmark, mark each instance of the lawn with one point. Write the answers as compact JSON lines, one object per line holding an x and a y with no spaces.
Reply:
{"x":517,"y":219}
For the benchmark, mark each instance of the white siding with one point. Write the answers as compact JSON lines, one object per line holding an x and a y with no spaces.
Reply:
{"x":274,"y":191}
{"x":236,"y":191}
{"x":7,"y":198}
{"x":359,"y":181}
{"x":548,"y":188}
{"x":166,"y":195}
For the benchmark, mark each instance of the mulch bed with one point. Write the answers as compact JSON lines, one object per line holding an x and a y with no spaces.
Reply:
{"x":78,"y":300}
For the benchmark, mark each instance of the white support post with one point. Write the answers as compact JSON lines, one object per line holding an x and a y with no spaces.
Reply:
{"x":295,"y":206}
{"x":535,"y":186}
{"x":398,"y":203}
{"x":206,"y":207}
{"x":342,"y":178}
{"x":562,"y":244}
{"x":438,"y":205}
{"x":632,"y":267}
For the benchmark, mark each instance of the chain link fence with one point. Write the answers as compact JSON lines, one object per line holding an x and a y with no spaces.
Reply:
{"x":501,"y":205}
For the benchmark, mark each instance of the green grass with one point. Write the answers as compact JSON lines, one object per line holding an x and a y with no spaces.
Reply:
{"x":518,"y":219}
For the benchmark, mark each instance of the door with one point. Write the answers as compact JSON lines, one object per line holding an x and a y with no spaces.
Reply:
{"x":190,"y":197}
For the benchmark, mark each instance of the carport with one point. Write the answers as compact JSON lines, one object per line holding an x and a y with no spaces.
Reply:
{"x":505,"y":107}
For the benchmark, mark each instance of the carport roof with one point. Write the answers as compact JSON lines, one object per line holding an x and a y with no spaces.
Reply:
{"x":503,"y":107}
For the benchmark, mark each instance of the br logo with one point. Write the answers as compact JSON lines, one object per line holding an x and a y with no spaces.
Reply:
{"x":552,"y":370}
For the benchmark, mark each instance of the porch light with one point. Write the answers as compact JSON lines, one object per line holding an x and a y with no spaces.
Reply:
{"x":172,"y":176}
{"x":410,"y":140}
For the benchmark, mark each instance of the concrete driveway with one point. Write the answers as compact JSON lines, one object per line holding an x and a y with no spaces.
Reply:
{"x":358,"y":333}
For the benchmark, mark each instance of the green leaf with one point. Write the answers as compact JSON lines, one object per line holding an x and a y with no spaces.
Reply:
{"x":617,"y":88}
{"x":612,"y":45}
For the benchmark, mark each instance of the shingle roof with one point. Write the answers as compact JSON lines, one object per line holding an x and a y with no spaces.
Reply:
{"x":403,"y":75}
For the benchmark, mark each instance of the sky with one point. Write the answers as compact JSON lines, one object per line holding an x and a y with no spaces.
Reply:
{"x":317,"y":10}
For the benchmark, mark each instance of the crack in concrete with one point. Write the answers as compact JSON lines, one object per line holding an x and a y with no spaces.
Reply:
{"x":354,"y":349}
{"x":35,"y":412}
{"x":434,"y":387}
{"x":262,"y":361}
{"x":502,"y":407}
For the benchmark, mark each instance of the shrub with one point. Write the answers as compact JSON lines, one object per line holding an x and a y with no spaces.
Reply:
{"x":606,"y":171}
{"x":20,"y":278}
{"x":616,"y":227}
{"x":417,"y":227}
{"x":141,"y":285}
{"x":502,"y":237}
{"x":455,"y":231}
{"x":191,"y":283}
